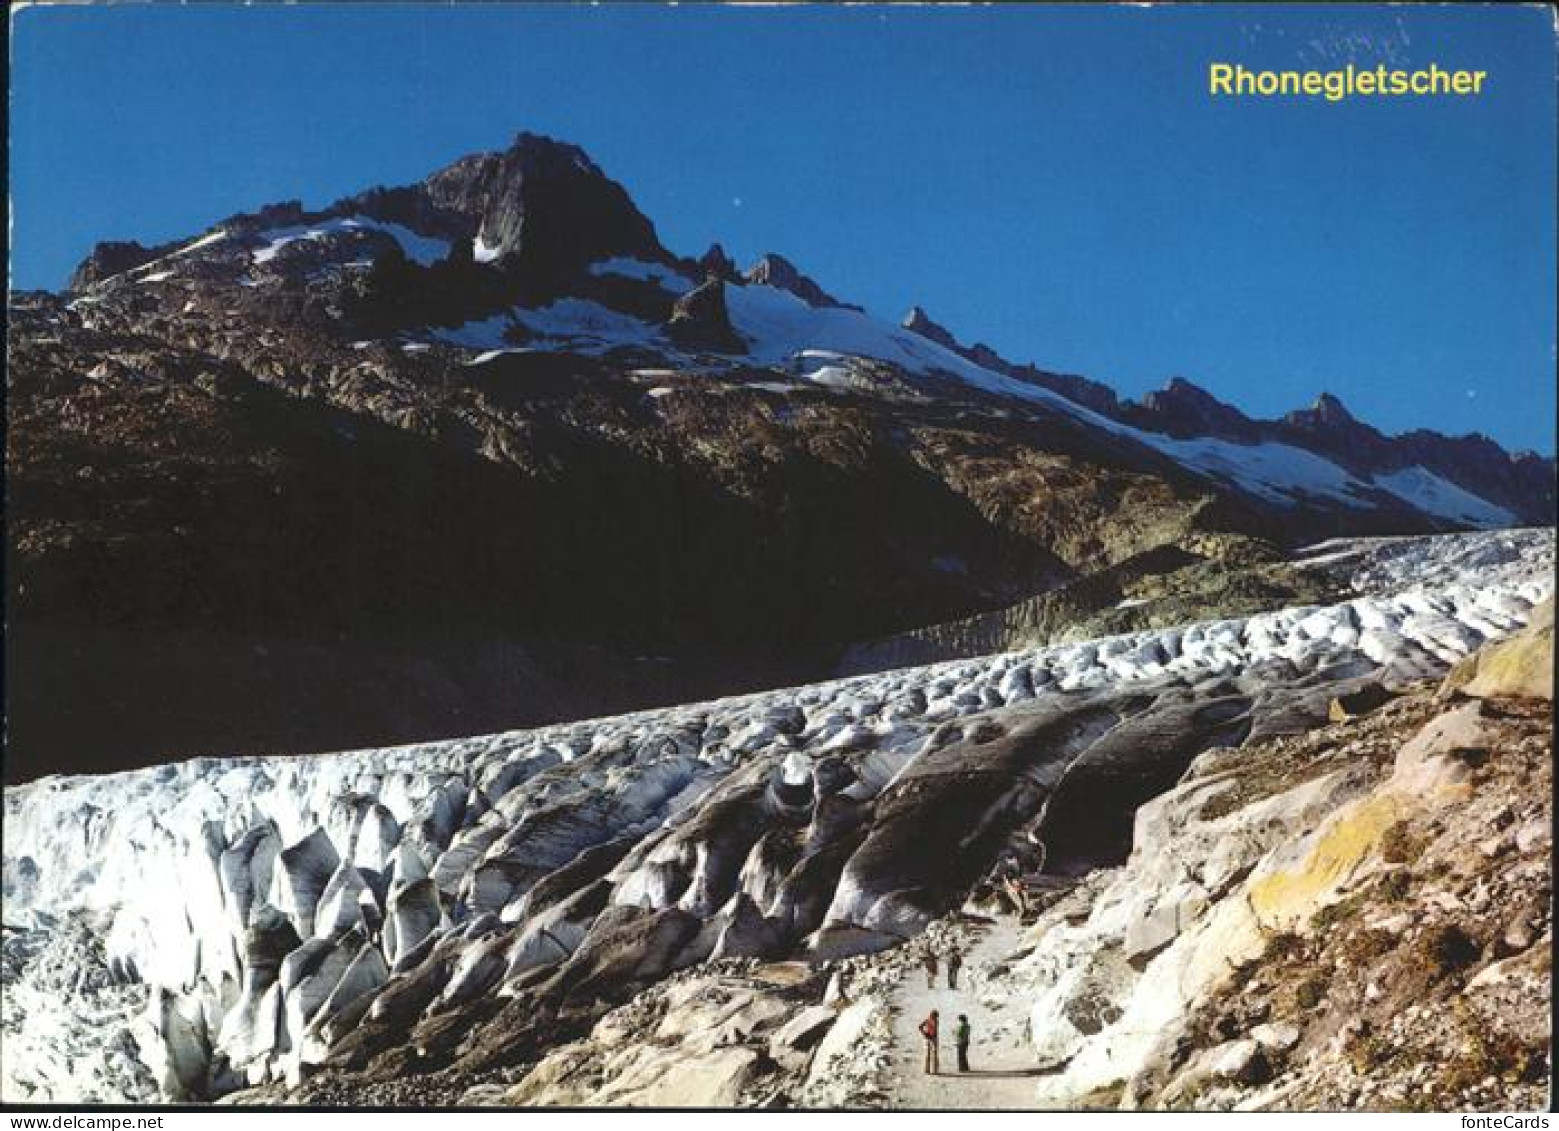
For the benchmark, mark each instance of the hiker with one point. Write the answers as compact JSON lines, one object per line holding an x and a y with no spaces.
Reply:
{"x":929,"y":962}
{"x":954,"y":962}
{"x":961,"y":1039}
{"x":928,"y":1030}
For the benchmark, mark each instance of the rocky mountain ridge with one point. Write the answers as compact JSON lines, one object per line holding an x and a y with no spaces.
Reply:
{"x":541,"y":213}
{"x":1184,"y":410}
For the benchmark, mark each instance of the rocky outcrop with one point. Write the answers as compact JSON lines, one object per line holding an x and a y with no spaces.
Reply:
{"x":1182,"y":409}
{"x":711,"y":1039}
{"x":1286,"y":931}
{"x":1080,"y":390}
{"x":113,"y":257}
{"x":1331,"y":428}
{"x":716,"y":264}
{"x":699,"y":320}
{"x":1193,"y":577}
{"x":776,"y":271}
{"x":543,"y":209}
{"x":1521,"y":666}
{"x":917,"y":321}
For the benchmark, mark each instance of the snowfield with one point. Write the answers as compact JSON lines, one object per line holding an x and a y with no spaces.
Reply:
{"x":425,"y":250}
{"x":1434,"y":495}
{"x":139,"y":906}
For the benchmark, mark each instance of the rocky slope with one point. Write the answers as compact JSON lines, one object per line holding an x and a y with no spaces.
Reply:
{"x":422,"y":921}
{"x":479,"y":451}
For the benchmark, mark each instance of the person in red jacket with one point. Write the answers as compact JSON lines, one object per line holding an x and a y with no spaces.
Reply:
{"x":928,"y":1030}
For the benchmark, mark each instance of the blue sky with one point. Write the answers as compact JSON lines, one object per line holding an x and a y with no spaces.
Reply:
{"x":1053,"y":181}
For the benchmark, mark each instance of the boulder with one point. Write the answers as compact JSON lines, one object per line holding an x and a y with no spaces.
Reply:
{"x":1234,"y":1062}
{"x":1276,"y":1036}
{"x":711,"y":1079}
{"x":1241,"y":1061}
{"x":803,"y":1031}
{"x":839,"y":1042}
{"x":746,"y":933}
{"x":1521,"y":666}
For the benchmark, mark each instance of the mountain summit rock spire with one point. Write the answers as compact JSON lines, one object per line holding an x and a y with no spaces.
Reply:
{"x":543,"y":206}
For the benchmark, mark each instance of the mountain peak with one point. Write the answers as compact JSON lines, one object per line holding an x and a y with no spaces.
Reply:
{"x":1185,"y":389}
{"x":544,"y":207}
{"x":715,"y":262}
{"x":539,"y":147}
{"x":1184,"y":408}
{"x":917,"y":321}
{"x":1329,"y":407}
{"x":1327,"y":412}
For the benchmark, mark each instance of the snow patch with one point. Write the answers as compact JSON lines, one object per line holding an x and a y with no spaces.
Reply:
{"x":488,"y":355}
{"x":425,"y":250}
{"x":1277,"y":473}
{"x":578,"y":325}
{"x":834,"y":377}
{"x":644,"y":271}
{"x":204,"y":241}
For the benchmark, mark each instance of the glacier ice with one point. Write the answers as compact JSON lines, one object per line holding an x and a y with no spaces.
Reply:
{"x":238,"y":916}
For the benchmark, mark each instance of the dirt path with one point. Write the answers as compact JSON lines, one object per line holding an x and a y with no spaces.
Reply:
{"x":1002,"y":1073}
